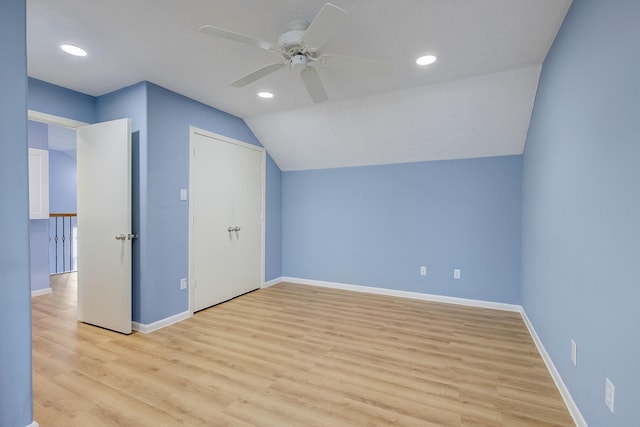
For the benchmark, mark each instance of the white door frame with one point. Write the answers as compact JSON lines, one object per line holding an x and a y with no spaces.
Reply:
{"x":193,"y":131}
{"x":51,"y":119}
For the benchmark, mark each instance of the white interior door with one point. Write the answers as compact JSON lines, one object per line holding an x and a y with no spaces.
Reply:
{"x":104,"y":224}
{"x":226,"y":231}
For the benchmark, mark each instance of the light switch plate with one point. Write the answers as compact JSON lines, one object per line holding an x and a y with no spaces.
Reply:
{"x":183,"y":194}
{"x":609,"y":393}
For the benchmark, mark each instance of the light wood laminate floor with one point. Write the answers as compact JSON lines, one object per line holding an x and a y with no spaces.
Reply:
{"x":293,"y":355}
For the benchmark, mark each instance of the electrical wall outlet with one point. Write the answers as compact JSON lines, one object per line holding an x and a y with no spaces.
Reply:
{"x":574,"y":353}
{"x":456,"y":273}
{"x":423,"y":270}
{"x":183,"y":284}
{"x":609,"y":393}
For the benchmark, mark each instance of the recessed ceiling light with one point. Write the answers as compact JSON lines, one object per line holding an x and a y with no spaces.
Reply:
{"x":426,"y":60}
{"x":265,"y":95}
{"x":73,"y":50}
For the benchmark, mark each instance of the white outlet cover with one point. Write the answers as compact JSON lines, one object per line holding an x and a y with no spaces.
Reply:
{"x":183,"y":194}
{"x":183,"y":284}
{"x":456,"y":273}
{"x":609,"y":394}
{"x":423,"y":270}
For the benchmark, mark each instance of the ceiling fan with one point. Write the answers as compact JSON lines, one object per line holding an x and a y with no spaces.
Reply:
{"x":300,"y":47}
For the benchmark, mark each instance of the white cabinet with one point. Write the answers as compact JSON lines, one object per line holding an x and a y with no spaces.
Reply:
{"x":38,"y":184}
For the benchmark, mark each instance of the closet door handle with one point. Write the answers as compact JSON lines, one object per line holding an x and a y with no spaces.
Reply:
{"x":236,"y":229}
{"x":230,"y":229}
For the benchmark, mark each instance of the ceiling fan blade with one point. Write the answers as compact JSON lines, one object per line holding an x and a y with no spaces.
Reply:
{"x":258,"y":74}
{"x":313,"y":84}
{"x":354,"y":64}
{"x":324,"y":25}
{"x":230,"y":35}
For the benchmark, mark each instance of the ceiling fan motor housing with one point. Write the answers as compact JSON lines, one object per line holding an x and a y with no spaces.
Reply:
{"x":291,"y":43}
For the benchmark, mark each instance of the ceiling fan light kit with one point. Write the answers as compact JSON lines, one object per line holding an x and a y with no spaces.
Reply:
{"x":299,"y":62}
{"x":299,"y":47}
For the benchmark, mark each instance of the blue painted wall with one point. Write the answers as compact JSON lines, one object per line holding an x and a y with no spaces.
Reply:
{"x":376,"y":225}
{"x":51,"y":99}
{"x":37,"y":135}
{"x":169,"y":118}
{"x":38,"y":228}
{"x":39,"y":253}
{"x":16,"y":404}
{"x":581,"y":207}
{"x":62,"y":182}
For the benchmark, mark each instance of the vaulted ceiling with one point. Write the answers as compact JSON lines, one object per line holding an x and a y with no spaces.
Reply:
{"x":474,"y":101}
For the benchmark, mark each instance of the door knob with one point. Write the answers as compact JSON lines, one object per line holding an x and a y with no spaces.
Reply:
{"x":121,"y":236}
{"x":236,"y":229}
{"x":230,"y":229}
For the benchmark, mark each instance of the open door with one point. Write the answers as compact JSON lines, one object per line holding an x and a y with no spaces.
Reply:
{"x":104,"y":225}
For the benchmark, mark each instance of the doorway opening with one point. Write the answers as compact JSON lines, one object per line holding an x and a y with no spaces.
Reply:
{"x":97,"y":188}
{"x":53,"y":235}
{"x":63,"y":227}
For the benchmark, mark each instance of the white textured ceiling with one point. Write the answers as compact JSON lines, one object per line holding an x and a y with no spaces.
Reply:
{"x":475,"y":101}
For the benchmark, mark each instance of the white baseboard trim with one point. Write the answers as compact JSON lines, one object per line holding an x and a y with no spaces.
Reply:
{"x":272,"y":282}
{"x":406,"y":294}
{"x":33,"y":424}
{"x":163,"y":323}
{"x":562,"y":388}
{"x":39,"y":292}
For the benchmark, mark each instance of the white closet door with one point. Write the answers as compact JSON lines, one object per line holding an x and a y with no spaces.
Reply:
{"x":226,"y":186}
{"x":247,"y":215}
